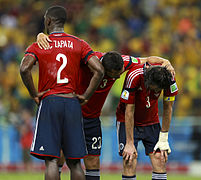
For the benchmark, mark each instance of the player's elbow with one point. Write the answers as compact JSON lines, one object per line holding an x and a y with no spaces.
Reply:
{"x":23,"y":70}
{"x":100,"y":71}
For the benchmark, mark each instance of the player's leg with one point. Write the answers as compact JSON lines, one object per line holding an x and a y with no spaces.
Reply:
{"x":73,"y":141}
{"x":159,"y":167}
{"x":46,"y":143}
{"x":52,"y":171}
{"x":93,"y":137}
{"x":129,"y":169}
{"x":151,"y":135}
{"x":60,"y":163}
{"x":76,"y":172}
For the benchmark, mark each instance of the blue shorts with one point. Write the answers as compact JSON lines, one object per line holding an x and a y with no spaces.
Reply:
{"x":59,"y":125}
{"x":147,"y":134}
{"x":93,"y":136}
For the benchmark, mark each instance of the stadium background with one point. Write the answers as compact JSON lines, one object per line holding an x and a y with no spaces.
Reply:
{"x":166,"y":28}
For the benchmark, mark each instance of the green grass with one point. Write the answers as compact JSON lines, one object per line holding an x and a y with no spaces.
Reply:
{"x":39,"y":176}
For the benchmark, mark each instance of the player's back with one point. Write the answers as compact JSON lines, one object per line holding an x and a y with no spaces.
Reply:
{"x":59,"y":65}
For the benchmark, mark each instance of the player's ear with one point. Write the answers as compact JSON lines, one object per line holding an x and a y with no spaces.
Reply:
{"x":48,"y":21}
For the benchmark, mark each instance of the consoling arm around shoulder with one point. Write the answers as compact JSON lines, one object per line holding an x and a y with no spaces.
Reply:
{"x":98,"y":73}
{"x":158,"y":60}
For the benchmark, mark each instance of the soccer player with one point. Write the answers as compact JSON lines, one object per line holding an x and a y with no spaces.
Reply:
{"x":59,"y":117}
{"x":138,"y":120}
{"x":114,"y":65}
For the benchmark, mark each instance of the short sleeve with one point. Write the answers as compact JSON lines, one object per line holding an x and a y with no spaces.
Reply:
{"x":172,"y":90}
{"x":130,"y":61}
{"x":131,"y":85}
{"x":31,"y":51}
{"x":87,"y":52}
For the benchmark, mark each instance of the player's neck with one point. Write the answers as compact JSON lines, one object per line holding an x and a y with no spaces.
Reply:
{"x":56,"y":29}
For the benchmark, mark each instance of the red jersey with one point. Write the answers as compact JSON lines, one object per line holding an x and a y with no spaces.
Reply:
{"x":59,"y":66}
{"x":94,"y":106}
{"x":146,"y":102}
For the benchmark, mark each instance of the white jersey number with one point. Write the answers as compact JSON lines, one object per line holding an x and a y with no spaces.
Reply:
{"x":104,"y":83}
{"x":95,"y":139}
{"x":58,"y":58}
{"x":148,"y":103}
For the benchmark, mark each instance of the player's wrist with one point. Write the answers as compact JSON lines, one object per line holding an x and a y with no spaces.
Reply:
{"x":163,"y":136}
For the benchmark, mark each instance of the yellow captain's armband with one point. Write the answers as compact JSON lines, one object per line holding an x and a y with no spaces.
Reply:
{"x":169,"y":98}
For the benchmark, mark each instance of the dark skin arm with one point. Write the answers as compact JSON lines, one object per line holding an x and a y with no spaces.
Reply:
{"x":98,"y":73}
{"x":25,"y":72}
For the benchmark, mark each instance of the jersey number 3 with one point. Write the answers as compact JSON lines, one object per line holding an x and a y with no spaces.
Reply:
{"x":58,"y":58}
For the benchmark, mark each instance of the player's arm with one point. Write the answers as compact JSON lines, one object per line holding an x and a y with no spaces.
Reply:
{"x":25,"y":72}
{"x":98,"y":73}
{"x":129,"y":152}
{"x":162,"y":143}
{"x":158,"y":60}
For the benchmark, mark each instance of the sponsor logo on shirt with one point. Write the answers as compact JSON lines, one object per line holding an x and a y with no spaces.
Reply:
{"x":134,"y":60}
{"x":173,"y":88}
{"x":125,"y":95}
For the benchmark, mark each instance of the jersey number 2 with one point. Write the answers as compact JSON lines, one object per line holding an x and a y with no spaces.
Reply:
{"x":58,"y":58}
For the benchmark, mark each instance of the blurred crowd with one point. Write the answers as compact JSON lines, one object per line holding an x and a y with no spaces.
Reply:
{"x":166,"y":28}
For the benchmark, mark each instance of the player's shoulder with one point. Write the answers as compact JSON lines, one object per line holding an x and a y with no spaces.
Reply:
{"x":99,"y":54}
{"x":33,"y":46}
{"x":137,"y":69}
{"x":135,"y":74}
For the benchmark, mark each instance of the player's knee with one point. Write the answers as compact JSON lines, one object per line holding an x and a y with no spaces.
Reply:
{"x":73,"y":163}
{"x":129,"y":167}
{"x":159,"y":165}
{"x":92,"y":162}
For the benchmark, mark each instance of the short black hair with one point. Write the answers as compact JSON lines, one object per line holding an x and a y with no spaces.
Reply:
{"x":157,"y":75}
{"x":58,"y":14}
{"x":112,"y":61}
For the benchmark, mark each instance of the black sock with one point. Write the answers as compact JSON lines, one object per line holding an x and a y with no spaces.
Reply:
{"x":129,"y":177}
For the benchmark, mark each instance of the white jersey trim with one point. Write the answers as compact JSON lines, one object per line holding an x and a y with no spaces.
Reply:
{"x":132,"y":75}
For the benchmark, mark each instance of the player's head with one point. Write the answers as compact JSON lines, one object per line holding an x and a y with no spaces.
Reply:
{"x":55,"y":17}
{"x":113,"y":64}
{"x":157,"y":78}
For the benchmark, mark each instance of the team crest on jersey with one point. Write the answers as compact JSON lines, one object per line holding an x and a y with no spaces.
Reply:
{"x":125,"y":95}
{"x":134,"y":60}
{"x":173,"y":88}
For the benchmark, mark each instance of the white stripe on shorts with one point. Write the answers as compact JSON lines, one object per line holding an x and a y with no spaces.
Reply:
{"x":35,"y":133}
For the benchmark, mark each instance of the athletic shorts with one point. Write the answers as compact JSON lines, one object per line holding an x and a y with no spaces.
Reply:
{"x":59,"y":125}
{"x":147,"y":134}
{"x":93,"y":135}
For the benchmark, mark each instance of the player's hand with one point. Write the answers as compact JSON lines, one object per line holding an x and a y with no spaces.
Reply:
{"x":169,"y":67}
{"x":82,"y":99}
{"x":43,"y":41}
{"x":37,"y":99}
{"x":129,"y":152}
{"x":163,"y":146}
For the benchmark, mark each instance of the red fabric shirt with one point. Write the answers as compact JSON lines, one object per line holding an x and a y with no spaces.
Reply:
{"x":94,"y":106}
{"x":146,"y":102}
{"x":59,"y":66}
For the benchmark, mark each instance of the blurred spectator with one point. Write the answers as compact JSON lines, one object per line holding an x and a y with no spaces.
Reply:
{"x":26,"y":135}
{"x":167,"y":28}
